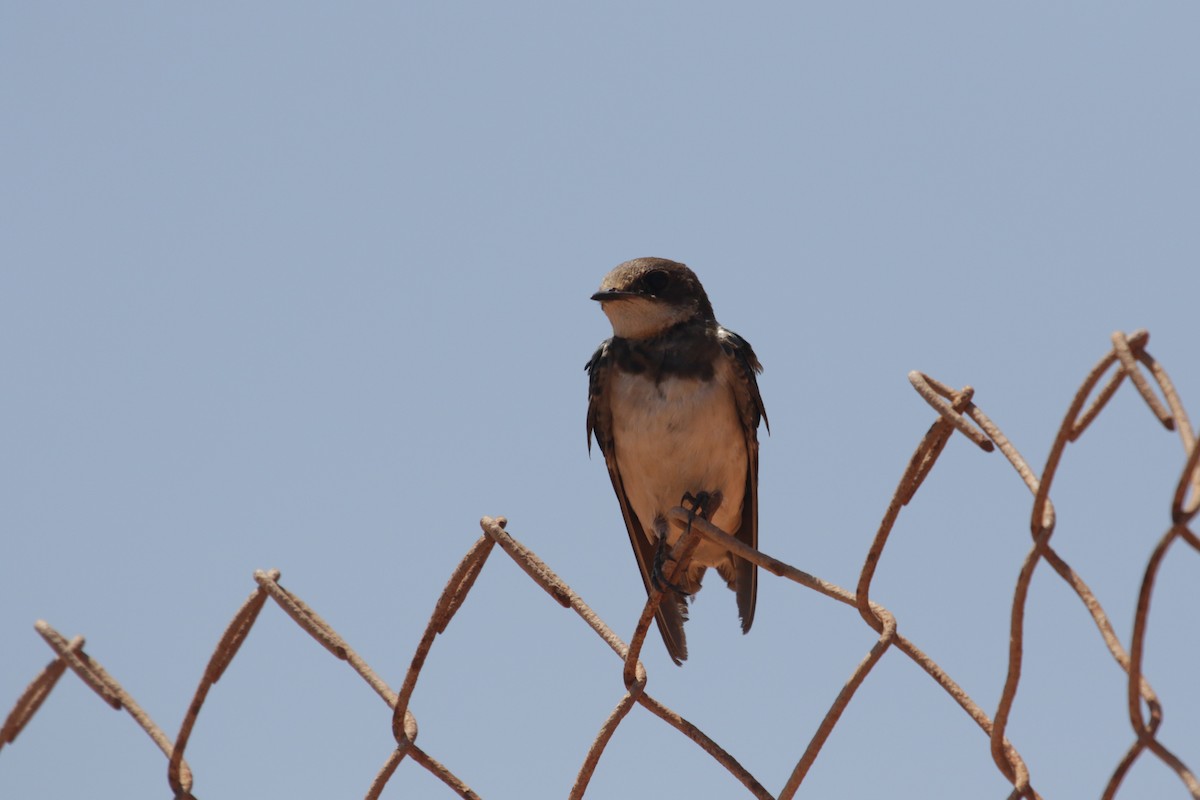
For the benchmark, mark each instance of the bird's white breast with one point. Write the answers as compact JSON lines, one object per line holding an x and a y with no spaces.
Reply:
{"x":675,"y":436}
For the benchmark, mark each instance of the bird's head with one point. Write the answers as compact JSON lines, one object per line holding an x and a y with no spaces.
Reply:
{"x":644,"y":297}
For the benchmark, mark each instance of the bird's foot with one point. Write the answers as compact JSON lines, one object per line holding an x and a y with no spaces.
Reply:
{"x":701,"y":504}
{"x":658,"y":574}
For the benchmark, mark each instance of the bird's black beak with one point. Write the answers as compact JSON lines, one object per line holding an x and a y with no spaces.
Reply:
{"x":611,"y":294}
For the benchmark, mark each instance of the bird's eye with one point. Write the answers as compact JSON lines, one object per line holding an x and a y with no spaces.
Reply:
{"x":657,"y":280}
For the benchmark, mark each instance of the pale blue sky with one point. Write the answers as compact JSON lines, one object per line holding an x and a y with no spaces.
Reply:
{"x":302,"y":286}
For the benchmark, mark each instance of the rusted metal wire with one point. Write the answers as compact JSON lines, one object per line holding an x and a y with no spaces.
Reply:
{"x":956,"y":412}
{"x":227,"y":647}
{"x":33,"y":697}
{"x":71,"y":654}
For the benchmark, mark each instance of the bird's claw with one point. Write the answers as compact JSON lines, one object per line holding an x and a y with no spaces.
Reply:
{"x":702,"y":504}
{"x":658,"y":575}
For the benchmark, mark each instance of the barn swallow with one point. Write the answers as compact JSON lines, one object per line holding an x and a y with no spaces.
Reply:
{"x":674,"y":406}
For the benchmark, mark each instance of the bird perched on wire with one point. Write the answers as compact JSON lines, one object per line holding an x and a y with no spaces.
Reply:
{"x":674,"y":406}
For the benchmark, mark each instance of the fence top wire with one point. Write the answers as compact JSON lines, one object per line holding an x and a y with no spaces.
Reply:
{"x":1127,"y":361}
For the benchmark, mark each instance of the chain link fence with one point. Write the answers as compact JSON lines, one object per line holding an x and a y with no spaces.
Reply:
{"x":1127,"y":361}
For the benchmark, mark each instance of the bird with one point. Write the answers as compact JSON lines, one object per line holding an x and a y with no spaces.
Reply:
{"x":674,"y":406}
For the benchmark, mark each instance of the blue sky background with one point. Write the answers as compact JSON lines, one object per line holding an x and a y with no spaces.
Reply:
{"x":306,"y":286}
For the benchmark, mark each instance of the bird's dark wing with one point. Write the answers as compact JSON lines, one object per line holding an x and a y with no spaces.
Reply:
{"x":751,"y":411}
{"x":672,"y":612}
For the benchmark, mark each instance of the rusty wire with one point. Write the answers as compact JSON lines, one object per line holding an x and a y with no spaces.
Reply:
{"x":956,"y":412}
